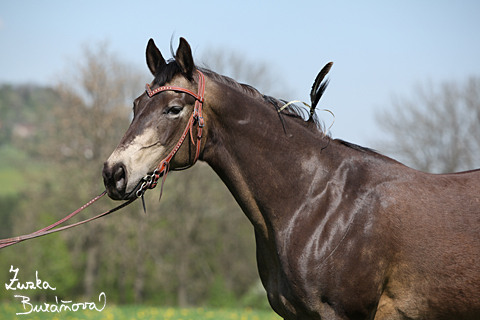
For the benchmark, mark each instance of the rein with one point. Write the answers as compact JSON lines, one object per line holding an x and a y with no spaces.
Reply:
{"x":149,"y":181}
{"x":47,"y":230}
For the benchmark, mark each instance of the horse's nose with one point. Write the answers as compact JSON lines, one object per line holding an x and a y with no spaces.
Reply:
{"x":115,"y":180}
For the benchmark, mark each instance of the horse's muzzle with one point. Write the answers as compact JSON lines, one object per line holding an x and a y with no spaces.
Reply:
{"x":115,"y":180}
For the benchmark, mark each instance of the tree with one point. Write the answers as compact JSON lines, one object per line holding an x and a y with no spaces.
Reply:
{"x":72,"y":140}
{"x":96,"y":94}
{"x":437,"y":129}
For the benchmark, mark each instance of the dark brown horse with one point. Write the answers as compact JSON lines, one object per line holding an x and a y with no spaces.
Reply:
{"x":342,"y":232}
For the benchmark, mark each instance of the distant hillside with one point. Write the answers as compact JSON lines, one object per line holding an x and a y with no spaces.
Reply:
{"x":21,"y":107}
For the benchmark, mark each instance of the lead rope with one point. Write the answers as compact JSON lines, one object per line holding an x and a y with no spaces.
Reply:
{"x":47,"y":230}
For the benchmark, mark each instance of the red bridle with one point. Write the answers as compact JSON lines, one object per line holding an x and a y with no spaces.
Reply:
{"x":151,"y":181}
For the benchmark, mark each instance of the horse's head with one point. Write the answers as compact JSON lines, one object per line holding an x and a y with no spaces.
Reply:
{"x":161,"y":114}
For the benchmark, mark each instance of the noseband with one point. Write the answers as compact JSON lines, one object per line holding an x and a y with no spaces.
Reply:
{"x":151,"y":181}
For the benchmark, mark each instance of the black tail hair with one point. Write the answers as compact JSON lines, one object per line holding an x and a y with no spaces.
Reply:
{"x":319,"y":87}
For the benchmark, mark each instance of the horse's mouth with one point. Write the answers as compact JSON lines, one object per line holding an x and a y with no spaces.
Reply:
{"x":133,"y":194}
{"x":118,"y":195}
{"x":143,"y":185}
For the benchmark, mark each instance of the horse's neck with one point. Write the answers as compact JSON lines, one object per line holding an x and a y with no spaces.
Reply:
{"x":268,"y":171}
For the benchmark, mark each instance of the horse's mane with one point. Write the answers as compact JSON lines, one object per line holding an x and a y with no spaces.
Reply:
{"x":168,"y":71}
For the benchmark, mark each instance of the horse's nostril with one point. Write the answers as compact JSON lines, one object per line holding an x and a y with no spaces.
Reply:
{"x":115,"y":180}
{"x":119,"y":178}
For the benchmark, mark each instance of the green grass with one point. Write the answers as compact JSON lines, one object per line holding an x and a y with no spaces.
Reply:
{"x":12,"y":180}
{"x":9,"y":310}
{"x":17,"y":171}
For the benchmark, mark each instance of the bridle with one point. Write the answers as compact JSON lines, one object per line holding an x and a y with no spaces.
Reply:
{"x":149,"y":181}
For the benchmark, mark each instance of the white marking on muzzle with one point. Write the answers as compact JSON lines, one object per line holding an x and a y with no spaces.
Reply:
{"x":139,"y":158}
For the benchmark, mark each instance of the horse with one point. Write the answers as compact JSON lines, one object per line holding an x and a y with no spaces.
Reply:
{"x":341,"y":231}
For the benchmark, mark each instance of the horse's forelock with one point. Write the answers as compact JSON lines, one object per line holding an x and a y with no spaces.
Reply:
{"x":167,"y":72}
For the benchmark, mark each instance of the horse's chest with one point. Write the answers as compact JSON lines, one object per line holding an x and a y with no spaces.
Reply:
{"x":286,"y":283}
{"x":310,"y":281}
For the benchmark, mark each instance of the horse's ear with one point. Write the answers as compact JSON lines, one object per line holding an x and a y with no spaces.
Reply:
{"x":184,"y":58}
{"x":154,"y":57}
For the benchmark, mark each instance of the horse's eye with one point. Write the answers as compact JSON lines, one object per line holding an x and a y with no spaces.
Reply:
{"x":173,"y":110}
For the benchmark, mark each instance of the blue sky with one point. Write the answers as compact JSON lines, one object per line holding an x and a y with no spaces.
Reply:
{"x":379,"y":48}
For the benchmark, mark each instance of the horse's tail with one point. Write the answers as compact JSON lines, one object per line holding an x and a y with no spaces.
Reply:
{"x":319,"y":87}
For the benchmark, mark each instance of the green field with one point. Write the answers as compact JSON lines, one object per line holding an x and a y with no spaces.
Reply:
{"x":12,"y":179}
{"x":9,"y":311}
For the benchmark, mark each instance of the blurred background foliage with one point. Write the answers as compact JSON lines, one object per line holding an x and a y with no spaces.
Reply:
{"x":195,"y":247}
